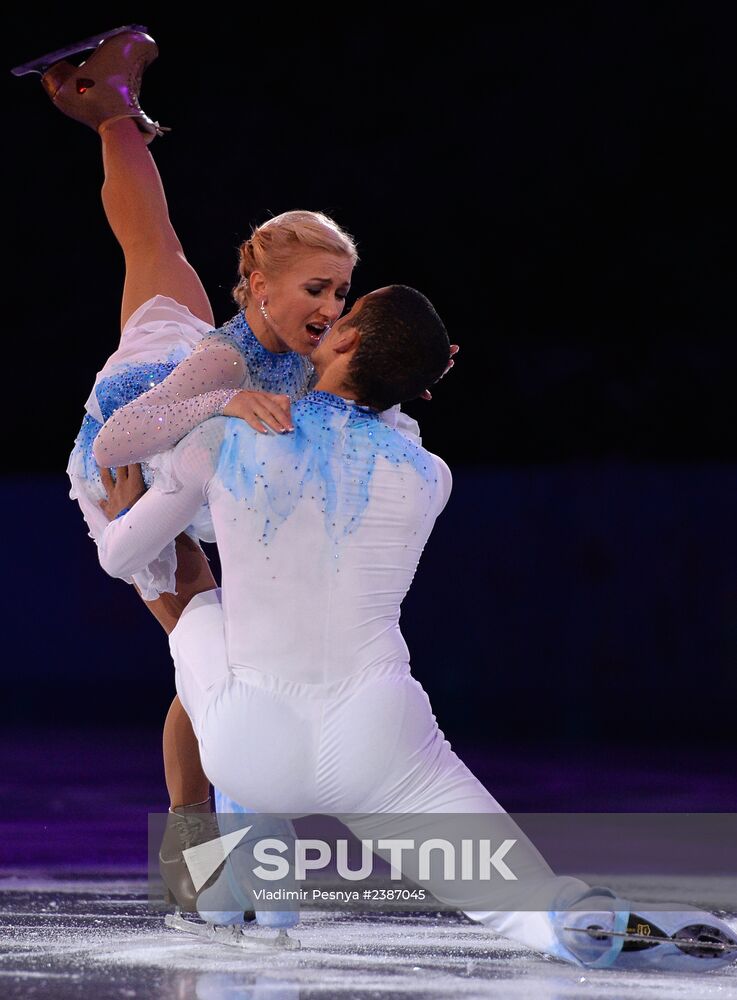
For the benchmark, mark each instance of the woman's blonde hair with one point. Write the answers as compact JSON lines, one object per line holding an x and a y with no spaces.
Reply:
{"x":273,"y":244}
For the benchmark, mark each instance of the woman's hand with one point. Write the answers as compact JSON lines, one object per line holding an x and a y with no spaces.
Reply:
{"x":453,"y":350}
{"x":261,"y":408}
{"x":123,"y":491}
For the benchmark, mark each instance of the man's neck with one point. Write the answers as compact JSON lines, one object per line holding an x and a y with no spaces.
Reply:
{"x":333,"y":385}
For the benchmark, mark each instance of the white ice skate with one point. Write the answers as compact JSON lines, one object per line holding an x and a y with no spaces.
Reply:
{"x":606,"y":932}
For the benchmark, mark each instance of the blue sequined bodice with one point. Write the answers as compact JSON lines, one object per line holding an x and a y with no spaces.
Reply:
{"x":112,"y":392}
{"x":289,"y":373}
{"x":130,"y":382}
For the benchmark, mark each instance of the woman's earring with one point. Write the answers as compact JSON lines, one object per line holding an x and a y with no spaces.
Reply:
{"x":263,"y":310}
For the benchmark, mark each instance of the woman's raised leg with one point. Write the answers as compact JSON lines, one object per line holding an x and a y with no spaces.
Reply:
{"x":136,"y":208}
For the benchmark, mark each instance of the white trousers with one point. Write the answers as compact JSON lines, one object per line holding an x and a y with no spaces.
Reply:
{"x":368,"y":746}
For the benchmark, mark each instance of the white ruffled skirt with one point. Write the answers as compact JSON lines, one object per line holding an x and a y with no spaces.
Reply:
{"x":156,"y":338}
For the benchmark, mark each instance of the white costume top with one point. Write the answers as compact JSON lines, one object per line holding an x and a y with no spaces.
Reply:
{"x":319,"y":531}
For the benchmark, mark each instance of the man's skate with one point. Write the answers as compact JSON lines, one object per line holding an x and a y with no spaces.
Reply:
{"x":104,"y":88}
{"x":628,"y":935}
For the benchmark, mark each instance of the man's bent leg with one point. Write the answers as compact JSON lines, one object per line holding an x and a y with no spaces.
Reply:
{"x":186,"y":782}
{"x":417,"y":790}
{"x":197,"y":639}
{"x":198,"y":649}
{"x":419,"y":798}
{"x":522,"y":908}
{"x":200,"y":658}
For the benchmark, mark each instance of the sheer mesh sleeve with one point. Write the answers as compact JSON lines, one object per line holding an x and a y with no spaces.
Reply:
{"x":200,"y":387}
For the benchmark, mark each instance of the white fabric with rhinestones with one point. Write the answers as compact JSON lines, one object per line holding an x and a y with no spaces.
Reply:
{"x":326,"y":524}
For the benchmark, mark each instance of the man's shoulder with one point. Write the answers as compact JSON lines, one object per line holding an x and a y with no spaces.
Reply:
{"x":402,"y":448}
{"x":445,"y":479}
{"x":407,"y":446}
{"x":403,"y":436}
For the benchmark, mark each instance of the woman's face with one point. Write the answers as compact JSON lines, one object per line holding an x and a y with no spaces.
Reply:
{"x":301,"y":302}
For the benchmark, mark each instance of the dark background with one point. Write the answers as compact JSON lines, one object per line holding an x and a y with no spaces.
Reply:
{"x":557,"y":178}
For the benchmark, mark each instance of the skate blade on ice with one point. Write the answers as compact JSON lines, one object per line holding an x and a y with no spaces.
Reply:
{"x":42,"y":63}
{"x":235,"y":936}
{"x":691,"y":948}
{"x":708,"y":946}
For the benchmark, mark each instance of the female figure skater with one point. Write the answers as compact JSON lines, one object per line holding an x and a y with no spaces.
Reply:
{"x":295,"y":276}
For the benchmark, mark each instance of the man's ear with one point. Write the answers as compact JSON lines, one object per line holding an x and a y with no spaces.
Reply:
{"x":347,"y":340}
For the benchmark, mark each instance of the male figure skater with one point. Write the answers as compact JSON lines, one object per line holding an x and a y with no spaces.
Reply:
{"x":299,"y":687}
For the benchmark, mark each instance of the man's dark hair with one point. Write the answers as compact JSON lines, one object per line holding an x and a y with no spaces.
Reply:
{"x":404,"y":348}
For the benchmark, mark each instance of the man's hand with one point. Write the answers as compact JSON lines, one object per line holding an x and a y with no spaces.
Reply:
{"x":123,"y":491}
{"x":453,"y":350}
{"x":261,"y":408}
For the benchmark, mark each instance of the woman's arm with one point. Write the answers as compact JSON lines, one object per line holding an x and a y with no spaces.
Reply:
{"x":199,"y":387}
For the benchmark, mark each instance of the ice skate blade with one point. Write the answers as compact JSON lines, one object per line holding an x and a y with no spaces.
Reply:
{"x":42,"y":63}
{"x":686,"y":944}
{"x":233,"y":936}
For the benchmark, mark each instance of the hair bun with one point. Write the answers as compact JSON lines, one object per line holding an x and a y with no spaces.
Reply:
{"x":271,"y":246}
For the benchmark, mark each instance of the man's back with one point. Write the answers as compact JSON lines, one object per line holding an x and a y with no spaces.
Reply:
{"x":320,"y":532}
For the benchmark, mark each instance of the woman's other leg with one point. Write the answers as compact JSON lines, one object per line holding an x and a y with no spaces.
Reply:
{"x":186,"y":782}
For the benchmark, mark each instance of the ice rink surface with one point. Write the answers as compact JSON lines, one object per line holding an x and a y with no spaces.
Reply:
{"x":67,"y":937}
{"x":75,"y":920}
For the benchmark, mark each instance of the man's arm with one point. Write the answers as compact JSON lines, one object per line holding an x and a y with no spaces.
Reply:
{"x":132,"y":541}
